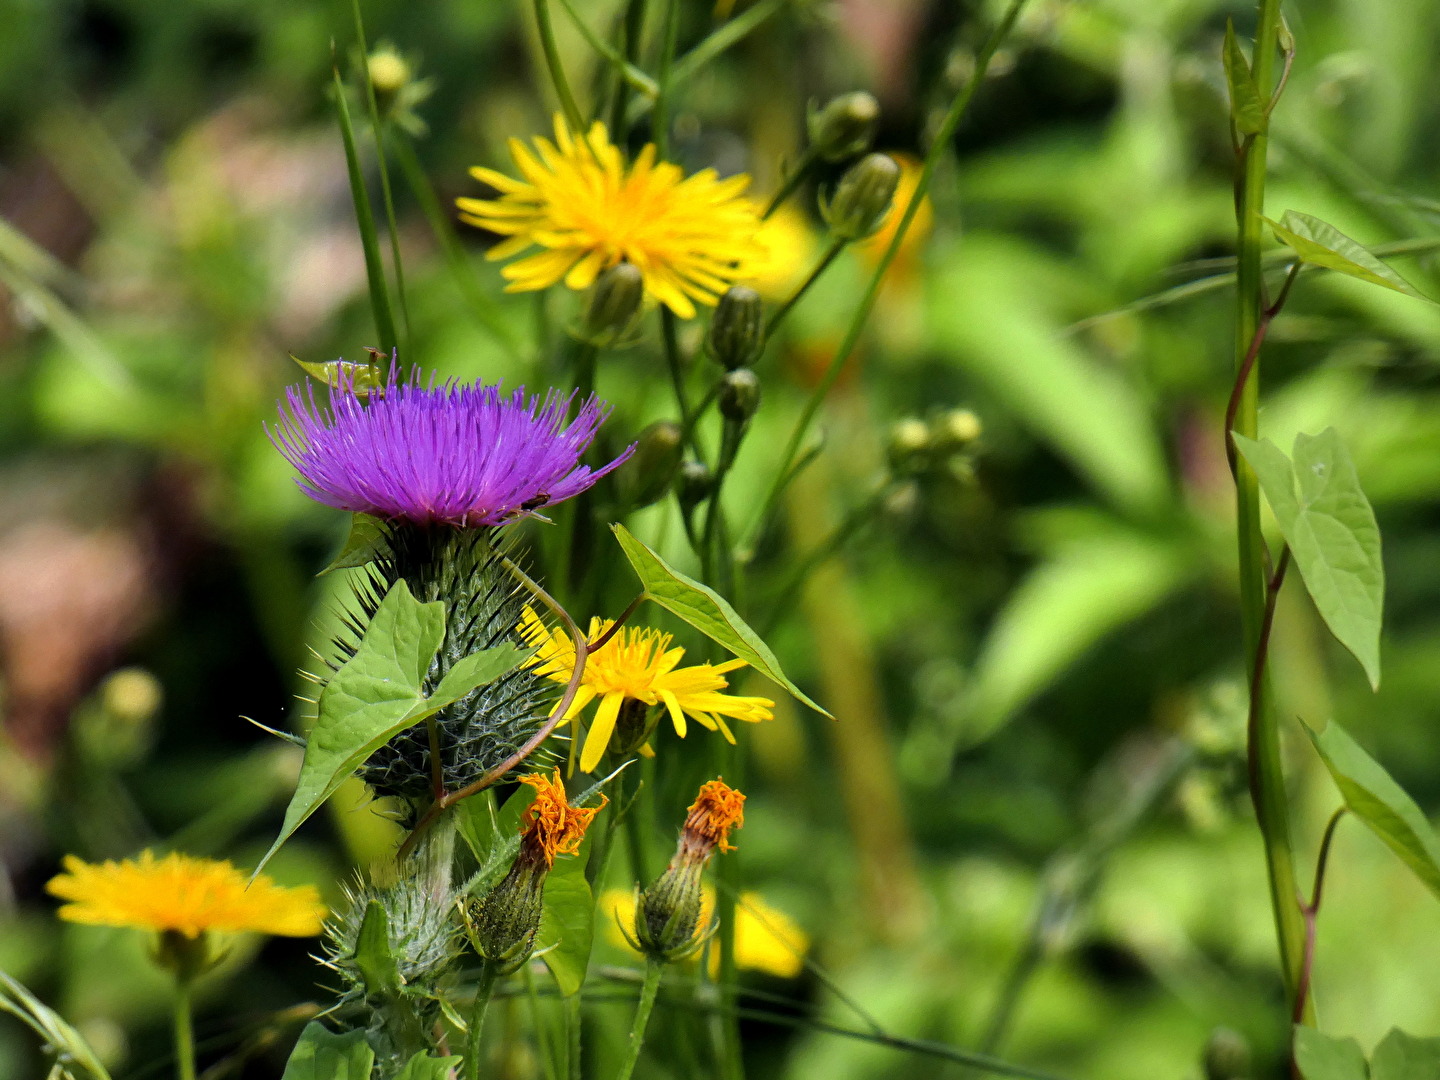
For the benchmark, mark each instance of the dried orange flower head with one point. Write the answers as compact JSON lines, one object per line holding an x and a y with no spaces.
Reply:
{"x":550,"y":825}
{"x":717,"y":809}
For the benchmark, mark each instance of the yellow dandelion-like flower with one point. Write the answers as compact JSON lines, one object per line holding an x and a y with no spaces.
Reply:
{"x":639,"y":665}
{"x":873,"y":248}
{"x":588,"y":210}
{"x":785,"y":252}
{"x":766,"y":939}
{"x":183,"y":894}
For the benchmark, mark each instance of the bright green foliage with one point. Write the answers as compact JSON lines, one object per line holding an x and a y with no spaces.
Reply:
{"x":322,"y":1055}
{"x":372,"y":952}
{"x":1376,"y":799}
{"x":363,"y":544}
{"x":423,"y":1067}
{"x":704,"y":609}
{"x":1246,"y":108}
{"x":1321,"y":244}
{"x":70,"y":1050}
{"x":1322,"y":1057}
{"x":567,"y":924}
{"x":1331,"y":530}
{"x":379,"y":693}
{"x":1405,"y":1057}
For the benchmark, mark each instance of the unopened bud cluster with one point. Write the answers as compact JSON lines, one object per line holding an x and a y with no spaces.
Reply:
{"x":946,"y":442}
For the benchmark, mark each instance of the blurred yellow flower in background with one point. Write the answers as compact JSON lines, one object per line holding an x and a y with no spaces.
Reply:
{"x":638,"y":665}
{"x":185,"y":895}
{"x":785,"y":252}
{"x":766,"y":939}
{"x":589,"y":210}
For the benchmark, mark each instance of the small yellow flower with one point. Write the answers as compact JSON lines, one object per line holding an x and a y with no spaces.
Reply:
{"x":185,"y":895}
{"x":785,"y":252}
{"x":588,"y":210}
{"x":766,"y":939}
{"x":550,"y":825}
{"x":873,"y":248}
{"x":638,"y":665}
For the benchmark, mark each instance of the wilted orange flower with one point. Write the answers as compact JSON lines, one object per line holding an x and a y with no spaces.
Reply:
{"x":717,"y":809}
{"x":551,"y":826}
{"x":183,"y":894}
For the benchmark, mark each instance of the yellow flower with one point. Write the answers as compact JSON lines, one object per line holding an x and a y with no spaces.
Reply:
{"x":874,"y":247}
{"x":785,"y":246}
{"x":183,"y":894}
{"x":638,"y":665}
{"x":766,"y":939}
{"x":588,"y":210}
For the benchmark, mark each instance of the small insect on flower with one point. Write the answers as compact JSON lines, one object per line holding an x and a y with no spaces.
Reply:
{"x":636,"y":668}
{"x":447,"y":454}
{"x":589,"y":210}
{"x":183,"y":895}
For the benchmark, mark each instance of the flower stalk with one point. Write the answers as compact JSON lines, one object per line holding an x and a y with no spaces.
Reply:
{"x":184,"y":1031}
{"x":648,"y":990}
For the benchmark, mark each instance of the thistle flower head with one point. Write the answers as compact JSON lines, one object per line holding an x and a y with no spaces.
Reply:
{"x":588,"y":210}
{"x":447,"y":454}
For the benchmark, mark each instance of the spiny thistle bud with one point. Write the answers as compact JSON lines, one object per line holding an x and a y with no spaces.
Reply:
{"x":667,"y":914}
{"x":504,"y":921}
{"x":613,"y":303}
{"x":648,"y":475}
{"x":844,"y":127}
{"x":737,"y":329}
{"x":862,"y":197}
{"x":1227,"y":1055}
{"x":739,"y":395}
{"x":693,"y":484}
{"x":954,"y":430}
{"x":909,"y":446}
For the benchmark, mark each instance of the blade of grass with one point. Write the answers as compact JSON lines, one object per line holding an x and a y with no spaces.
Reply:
{"x":365,"y":219}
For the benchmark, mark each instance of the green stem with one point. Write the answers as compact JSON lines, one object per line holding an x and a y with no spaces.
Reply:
{"x":653,"y":970}
{"x":730,"y":439}
{"x":632,"y":24}
{"x":836,"y":245}
{"x":365,"y":219}
{"x":543,"y":1042}
{"x":184,"y":1033}
{"x":484,"y":989}
{"x":862,"y":312}
{"x":670,"y":336}
{"x":792,"y":181}
{"x":1268,"y":786}
{"x":660,"y":122}
{"x":568,"y":106}
{"x":573,"y":1028}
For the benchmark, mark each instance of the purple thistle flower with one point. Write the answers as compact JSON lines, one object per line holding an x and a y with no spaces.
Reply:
{"x":449,"y":454}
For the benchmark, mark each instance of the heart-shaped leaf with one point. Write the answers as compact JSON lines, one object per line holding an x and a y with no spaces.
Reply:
{"x":323,"y":1055}
{"x":1323,"y":1057}
{"x":1321,"y":244}
{"x":1405,"y":1057}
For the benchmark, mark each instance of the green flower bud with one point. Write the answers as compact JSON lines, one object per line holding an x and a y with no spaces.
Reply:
{"x":693,"y":484}
{"x":186,"y":958}
{"x":613,"y":303}
{"x":862,"y":197}
{"x":909,"y":447}
{"x":667,"y":916}
{"x":647,"y":476}
{"x":737,"y":330}
{"x":739,"y":397}
{"x":954,"y":430}
{"x":389,"y":74}
{"x":1227,"y":1055}
{"x":845,"y":127}
{"x":504,"y":921}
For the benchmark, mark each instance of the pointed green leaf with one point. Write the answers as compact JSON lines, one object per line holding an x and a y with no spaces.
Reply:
{"x":423,"y":1067}
{"x":1321,"y":244}
{"x":1323,"y":1057}
{"x":1375,"y":798}
{"x":365,"y":542}
{"x":358,"y":379}
{"x":567,"y":924}
{"x":322,"y":1055}
{"x":61,"y":1040}
{"x":1331,"y":530}
{"x":378,"y":693}
{"x":705,"y":610}
{"x":1405,"y":1057}
{"x":1246,"y":109}
{"x":372,"y":952}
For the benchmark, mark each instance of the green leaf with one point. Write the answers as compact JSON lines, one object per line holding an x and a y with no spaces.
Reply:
{"x":367,"y":541}
{"x":62,"y":1041}
{"x":1246,"y":109}
{"x":372,"y":952}
{"x":1376,"y":799}
{"x":358,"y":379}
{"x":1321,"y":244}
{"x":1323,"y":1057}
{"x":567,"y":922}
{"x":379,"y":693}
{"x":422,"y":1067}
{"x":322,"y":1055}
{"x":1331,"y":530}
{"x":1405,"y":1057}
{"x":705,"y":610}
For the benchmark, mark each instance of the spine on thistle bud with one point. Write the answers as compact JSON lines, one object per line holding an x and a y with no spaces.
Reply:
{"x":862,"y":197}
{"x":845,"y":126}
{"x":504,"y":921}
{"x":737,"y":329}
{"x":667,"y":915}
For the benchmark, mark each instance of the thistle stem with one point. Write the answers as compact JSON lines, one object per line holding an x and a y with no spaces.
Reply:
{"x":184,"y":1032}
{"x":653,"y":970}
{"x":484,"y":989}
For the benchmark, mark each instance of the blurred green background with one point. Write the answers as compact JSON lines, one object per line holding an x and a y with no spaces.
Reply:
{"x":1033,"y":661}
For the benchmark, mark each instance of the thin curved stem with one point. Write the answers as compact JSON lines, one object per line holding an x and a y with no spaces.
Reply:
{"x":792,"y":181}
{"x":603,"y":639}
{"x":568,"y":105}
{"x":1247,"y":363}
{"x":1312,"y":915}
{"x":651,"y":986}
{"x":834,"y":248}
